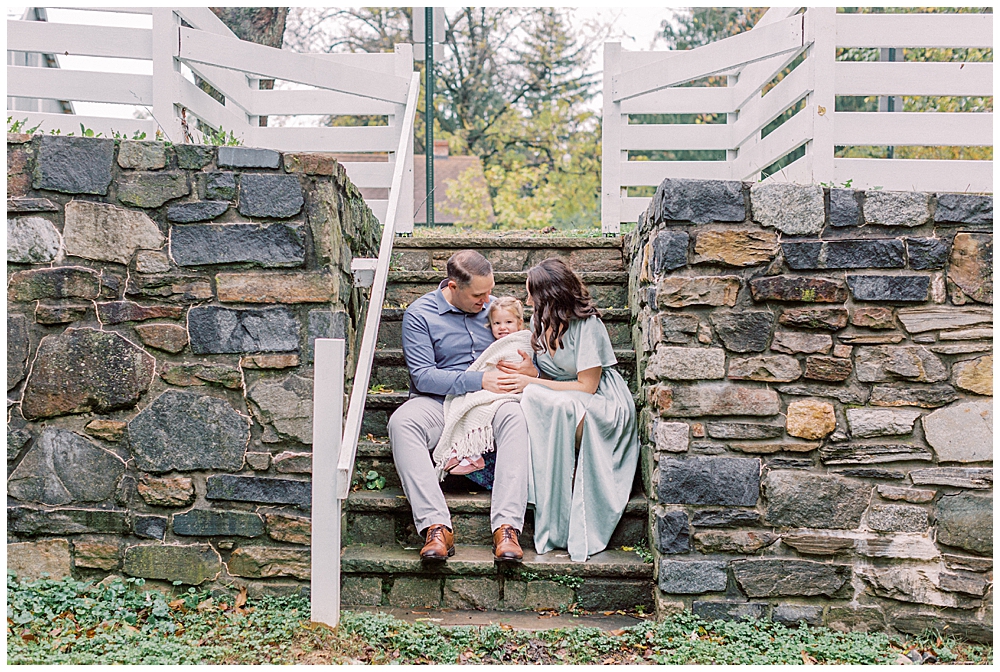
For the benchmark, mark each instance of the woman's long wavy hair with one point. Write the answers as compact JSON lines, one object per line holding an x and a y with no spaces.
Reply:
{"x":559,"y":296}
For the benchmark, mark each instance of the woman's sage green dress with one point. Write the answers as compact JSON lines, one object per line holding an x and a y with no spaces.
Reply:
{"x":580,"y":517}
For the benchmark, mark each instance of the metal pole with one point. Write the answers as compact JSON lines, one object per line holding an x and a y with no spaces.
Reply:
{"x":429,"y":108}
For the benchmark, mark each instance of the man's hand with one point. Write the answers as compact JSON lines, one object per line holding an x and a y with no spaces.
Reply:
{"x":490,"y":383}
{"x":524,"y":367}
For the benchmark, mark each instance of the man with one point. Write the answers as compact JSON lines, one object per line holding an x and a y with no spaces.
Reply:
{"x":444,"y":331}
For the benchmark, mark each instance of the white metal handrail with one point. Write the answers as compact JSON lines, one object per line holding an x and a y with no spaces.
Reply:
{"x":362,"y":374}
{"x":642,"y":83}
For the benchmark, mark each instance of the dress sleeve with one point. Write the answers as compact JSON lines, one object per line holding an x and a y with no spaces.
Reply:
{"x":593,"y":345}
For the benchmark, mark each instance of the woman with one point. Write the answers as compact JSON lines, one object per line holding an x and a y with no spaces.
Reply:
{"x":578,"y":401}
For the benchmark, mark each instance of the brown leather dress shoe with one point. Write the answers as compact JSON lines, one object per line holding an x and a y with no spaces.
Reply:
{"x":505,"y":545}
{"x":440,"y":543}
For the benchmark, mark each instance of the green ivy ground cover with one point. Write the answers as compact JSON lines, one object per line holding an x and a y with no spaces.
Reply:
{"x":71,"y":622}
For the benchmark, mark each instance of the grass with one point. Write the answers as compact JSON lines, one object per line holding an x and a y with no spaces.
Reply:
{"x":119,"y":621}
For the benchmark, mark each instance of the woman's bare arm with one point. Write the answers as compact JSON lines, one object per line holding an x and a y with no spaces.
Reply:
{"x":586,"y":381}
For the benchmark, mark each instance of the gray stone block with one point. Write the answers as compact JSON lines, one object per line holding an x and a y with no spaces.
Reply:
{"x":63,"y":467}
{"x":137,"y":155}
{"x":612,"y":595}
{"x":32,"y":240}
{"x":965,"y":520}
{"x":73,"y":165}
{"x":926,"y":253}
{"x":266,"y":195}
{"x":324,"y":324}
{"x":699,"y":201}
{"x":150,"y":527}
{"x":191,"y":565}
{"x":897,"y":518}
{"x":729,"y":481}
{"x":272,"y":246}
{"x":715,"y":610}
{"x":185,"y":431}
{"x":961,"y":433}
{"x":673,"y":363}
{"x":208,"y":523}
{"x":17,"y":349}
{"x":743,"y":430}
{"x":669,"y":251}
{"x":724,"y":517}
{"x":796,"y":499}
{"x":256,"y":489}
{"x":199,"y":211}
{"x":193,"y":157}
{"x":680,"y":577}
{"x":793,"y":614}
{"x":771,"y":577}
{"x":889,"y":287}
{"x":16,"y":440}
{"x":216,"y":330}
{"x":285,"y":407}
{"x":964,"y":209}
{"x":83,"y":370}
{"x":29,"y":521}
{"x":744,"y":331}
{"x":897,"y":208}
{"x":221,"y":186}
{"x":844,"y":208}
{"x":151,"y":190}
{"x":887,"y":253}
{"x":797,"y":210}
{"x":247,"y":157}
{"x":672,"y":534}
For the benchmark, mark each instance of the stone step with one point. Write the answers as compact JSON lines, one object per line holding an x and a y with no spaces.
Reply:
{"x":389,"y":369}
{"x":394,"y":576}
{"x":617,"y":320}
{"x":509,"y":252}
{"x":609,"y":288}
{"x":384,"y":517}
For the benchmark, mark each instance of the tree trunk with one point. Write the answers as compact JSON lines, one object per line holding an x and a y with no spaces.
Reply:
{"x":261,"y":25}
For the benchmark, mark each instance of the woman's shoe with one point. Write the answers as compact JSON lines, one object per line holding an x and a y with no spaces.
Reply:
{"x":466,"y":465}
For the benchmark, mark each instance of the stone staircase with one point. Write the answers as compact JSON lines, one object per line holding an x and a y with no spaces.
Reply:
{"x":380,"y":564}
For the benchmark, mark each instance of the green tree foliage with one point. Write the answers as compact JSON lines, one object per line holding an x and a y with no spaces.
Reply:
{"x":698,"y":26}
{"x":512,"y":89}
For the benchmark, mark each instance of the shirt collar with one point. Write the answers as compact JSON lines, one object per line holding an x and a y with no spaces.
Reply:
{"x":444,"y":307}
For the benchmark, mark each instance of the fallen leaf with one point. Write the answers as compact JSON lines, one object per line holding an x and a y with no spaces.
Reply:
{"x":618,"y":633}
{"x":176,"y":604}
{"x":207,"y":604}
{"x":28,"y":637}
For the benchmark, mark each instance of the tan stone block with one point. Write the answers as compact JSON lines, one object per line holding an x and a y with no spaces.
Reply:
{"x":177,"y":491}
{"x":291,"y":529}
{"x":269,"y":361}
{"x":167,"y":337}
{"x":109,"y":430}
{"x":810,"y":419}
{"x":677,"y":291}
{"x":736,"y":247}
{"x":95,"y":553}
{"x":975,"y":375}
{"x":277,"y":287}
{"x":30,"y":559}
{"x":264,"y":561}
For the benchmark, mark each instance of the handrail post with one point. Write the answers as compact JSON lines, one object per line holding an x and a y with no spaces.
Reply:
{"x":328,"y":415}
{"x":821,"y":29}
{"x":166,"y":70}
{"x":611,"y":154}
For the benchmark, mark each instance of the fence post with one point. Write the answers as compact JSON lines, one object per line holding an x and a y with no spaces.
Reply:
{"x":821,"y":28}
{"x":328,"y":416}
{"x":166,"y":69}
{"x":404,"y":213}
{"x":611,"y":154}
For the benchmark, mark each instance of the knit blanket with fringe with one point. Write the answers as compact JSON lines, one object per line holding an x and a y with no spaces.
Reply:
{"x":468,"y":418}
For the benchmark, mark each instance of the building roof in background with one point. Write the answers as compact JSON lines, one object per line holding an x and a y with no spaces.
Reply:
{"x":445,"y":168}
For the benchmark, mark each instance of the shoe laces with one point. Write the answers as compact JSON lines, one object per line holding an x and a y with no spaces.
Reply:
{"x":435,"y":532}
{"x":509,"y":533}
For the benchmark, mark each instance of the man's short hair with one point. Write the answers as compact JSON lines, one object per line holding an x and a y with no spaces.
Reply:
{"x":467,"y":263}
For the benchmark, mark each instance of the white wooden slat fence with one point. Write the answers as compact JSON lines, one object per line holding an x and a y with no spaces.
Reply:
{"x":648,"y":83}
{"x":338,"y":84}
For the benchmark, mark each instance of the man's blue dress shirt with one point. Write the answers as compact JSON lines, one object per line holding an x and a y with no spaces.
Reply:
{"x":440,"y":342}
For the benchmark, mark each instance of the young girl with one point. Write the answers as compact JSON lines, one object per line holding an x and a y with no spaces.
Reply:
{"x":468,"y":430}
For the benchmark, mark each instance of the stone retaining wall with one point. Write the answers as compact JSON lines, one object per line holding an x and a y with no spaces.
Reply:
{"x":162,"y":305}
{"x":817,"y":376}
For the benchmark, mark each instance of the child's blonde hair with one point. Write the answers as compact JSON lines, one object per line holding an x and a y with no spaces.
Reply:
{"x":508,"y":303}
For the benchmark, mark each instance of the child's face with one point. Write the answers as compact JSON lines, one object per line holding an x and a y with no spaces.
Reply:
{"x":504,"y":322}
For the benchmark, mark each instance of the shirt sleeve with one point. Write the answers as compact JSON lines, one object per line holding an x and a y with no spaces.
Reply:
{"x":593,"y":345}
{"x":418,"y":350}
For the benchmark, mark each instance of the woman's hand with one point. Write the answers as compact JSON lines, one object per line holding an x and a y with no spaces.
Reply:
{"x":525,"y":366}
{"x":513,"y":383}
